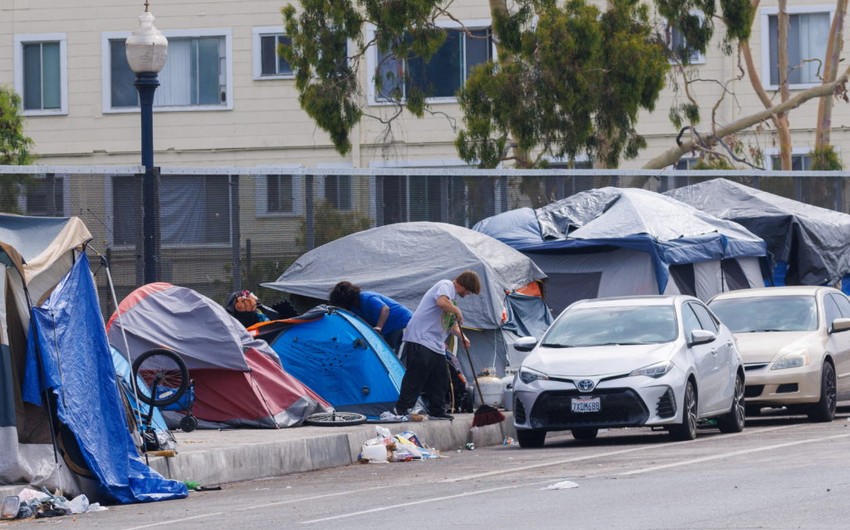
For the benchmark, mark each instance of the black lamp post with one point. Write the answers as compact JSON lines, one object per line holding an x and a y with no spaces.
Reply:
{"x":147,"y":50}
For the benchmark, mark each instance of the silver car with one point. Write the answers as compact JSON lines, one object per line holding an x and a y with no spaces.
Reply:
{"x":657,"y":361}
{"x":795,"y":344}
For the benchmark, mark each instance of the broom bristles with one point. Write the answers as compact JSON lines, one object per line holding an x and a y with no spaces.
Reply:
{"x":487,"y":415}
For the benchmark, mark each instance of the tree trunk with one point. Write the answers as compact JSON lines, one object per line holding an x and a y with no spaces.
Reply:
{"x":830,"y":70}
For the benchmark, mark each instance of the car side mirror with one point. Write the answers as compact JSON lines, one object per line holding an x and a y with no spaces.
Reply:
{"x":701,"y":336}
{"x":525,"y":344}
{"x":840,"y":324}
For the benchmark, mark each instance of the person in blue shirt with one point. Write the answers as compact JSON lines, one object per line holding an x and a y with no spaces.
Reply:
{"x":388,"y":317}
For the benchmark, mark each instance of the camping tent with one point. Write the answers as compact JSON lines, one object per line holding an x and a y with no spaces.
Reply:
{"x":615,"y":242}
{"x":404,"y":260}
{"x":238,"y":379}
{"x":811,"y":245}
{"x":340,"y":357}
{"x":54,"y":350}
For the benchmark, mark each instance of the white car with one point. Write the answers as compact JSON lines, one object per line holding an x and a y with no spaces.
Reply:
{"x":657,"y":361}
{"x":795,"y":345}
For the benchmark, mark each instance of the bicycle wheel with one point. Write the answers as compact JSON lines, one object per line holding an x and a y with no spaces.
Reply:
{"x":335,"y":419}
{"x":165,"y":374}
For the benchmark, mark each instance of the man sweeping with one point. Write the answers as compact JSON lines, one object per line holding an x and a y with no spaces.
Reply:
{"x":425,"y":344}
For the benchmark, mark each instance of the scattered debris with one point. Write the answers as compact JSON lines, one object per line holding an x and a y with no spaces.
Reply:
{"x":401,"y":447}
{"x":30,"y":502}
{"x":564,"y":485}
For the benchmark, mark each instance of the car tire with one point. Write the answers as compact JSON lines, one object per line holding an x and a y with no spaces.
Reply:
{"x":586,"y":433}
{"x":734,"y":420}
{"x":530,"y":438}
{"x":687,"y":429}
{"x":824,"y":410}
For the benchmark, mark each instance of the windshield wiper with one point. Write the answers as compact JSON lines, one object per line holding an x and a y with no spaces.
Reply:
{"x":554,"y":345}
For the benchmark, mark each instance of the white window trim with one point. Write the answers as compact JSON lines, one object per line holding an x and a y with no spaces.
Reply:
{"x":773,"y":151}
{"x":700,"y":59}
{"x":339,"y":170}
{"x":764,"y":14}
{"x":257,"y":52}
{"x":372,"y":58}
{"x":62,"y":38}
{"x":261,"y":194}
{"x":106,"y":70}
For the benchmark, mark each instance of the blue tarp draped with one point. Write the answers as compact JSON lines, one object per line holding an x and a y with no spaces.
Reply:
{"x":68,"y":354}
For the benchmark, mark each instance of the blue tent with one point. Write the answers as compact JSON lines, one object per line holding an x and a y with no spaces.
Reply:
{"x":69,"y":360}
{"x":340,"y":357}
{"x":613,"y":242}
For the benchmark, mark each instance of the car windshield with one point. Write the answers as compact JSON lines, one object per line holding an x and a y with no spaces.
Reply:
{"x":769,"y":313}
{"x":599,"y":326}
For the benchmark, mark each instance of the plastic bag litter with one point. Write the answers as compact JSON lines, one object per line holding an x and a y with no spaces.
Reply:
{"x":79,"y":504}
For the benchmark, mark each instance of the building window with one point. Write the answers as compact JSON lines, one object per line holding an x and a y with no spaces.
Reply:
{"x":277,"y":195}
{"x":194,"y":210}
{"x":686,"y":162}
{"x":43,"y":195}
{"x":799,"y":162}
{"x":196,"y":74}
{"x":268,"y":64}
{"x":808,"y":34}
{"x":41,"y":73}
{"x":677,"y":44}
{"x":338,"y":191}
{"x":442,"y":76}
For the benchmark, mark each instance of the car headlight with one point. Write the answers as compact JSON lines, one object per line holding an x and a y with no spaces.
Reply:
{"x":793,"y":359}
{"x":527,"y":375}
{"x":654,"y":370}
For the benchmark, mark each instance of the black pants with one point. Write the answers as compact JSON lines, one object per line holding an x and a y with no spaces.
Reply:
{"x":427,"y":372}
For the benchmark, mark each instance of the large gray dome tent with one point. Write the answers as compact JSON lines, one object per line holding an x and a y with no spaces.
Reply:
{"x":404,"y":260}
{"x":630,"y":241}
{"x":811,"y":245}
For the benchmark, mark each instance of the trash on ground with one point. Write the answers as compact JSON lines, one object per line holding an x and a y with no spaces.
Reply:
{"x":564,"y":485}
{"x":509,"y":441}
{"x":401,"y":447}
{"x":31,"y":502}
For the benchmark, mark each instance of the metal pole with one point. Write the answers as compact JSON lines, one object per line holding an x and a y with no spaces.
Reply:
{"x":146,"y":83}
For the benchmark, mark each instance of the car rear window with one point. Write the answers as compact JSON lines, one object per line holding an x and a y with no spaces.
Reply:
{"x":769,"y":313}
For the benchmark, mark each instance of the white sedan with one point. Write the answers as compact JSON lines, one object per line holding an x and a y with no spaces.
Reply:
{"x":657,"y":361}
{"x":796,"y":346}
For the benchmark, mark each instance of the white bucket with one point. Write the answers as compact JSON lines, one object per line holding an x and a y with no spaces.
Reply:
{"x":491,"y":391}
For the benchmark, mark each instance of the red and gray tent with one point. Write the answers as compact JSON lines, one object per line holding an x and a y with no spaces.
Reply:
{"x":239,"y":381}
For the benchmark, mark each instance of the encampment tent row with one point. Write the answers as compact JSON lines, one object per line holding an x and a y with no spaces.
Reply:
{"x":616,"y":242}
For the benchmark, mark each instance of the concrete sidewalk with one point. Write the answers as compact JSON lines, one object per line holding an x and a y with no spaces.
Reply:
{"x":211,"y":457}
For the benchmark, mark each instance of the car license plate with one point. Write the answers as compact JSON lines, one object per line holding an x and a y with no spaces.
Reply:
{"x":590,"y":404}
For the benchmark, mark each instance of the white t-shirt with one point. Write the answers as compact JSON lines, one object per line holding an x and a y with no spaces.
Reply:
{"x":429,"y":326}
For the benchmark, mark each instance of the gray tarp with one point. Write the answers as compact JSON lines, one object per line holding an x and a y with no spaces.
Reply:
{"x":813,"y":241}
{"x":404,"y":260}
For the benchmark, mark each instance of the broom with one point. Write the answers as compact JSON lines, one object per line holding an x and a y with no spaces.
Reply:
{"x":484,"y":414}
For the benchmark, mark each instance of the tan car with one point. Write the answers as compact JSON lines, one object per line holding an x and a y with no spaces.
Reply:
{"x":795,"y":344}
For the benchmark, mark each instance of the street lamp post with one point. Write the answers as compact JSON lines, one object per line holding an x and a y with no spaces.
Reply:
{"x":147,"y":49}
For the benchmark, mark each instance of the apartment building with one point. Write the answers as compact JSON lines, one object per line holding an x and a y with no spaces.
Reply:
{"x":227,"y":100}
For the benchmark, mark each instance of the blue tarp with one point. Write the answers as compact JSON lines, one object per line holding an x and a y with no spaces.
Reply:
{"x":68,"y":354}
{"x":342,"y":359}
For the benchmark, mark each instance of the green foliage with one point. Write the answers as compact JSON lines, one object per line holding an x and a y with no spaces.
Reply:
{"x":331,"y":224}
{"x":14,"y":144}
{"x":14,"y":149}
{"x":826,"y":159}
{"x":574,"y":85}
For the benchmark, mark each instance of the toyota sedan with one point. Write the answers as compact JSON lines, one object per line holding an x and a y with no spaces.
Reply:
{"x":657,"y":361}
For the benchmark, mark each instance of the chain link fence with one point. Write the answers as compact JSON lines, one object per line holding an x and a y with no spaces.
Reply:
{"x":224,"y":229}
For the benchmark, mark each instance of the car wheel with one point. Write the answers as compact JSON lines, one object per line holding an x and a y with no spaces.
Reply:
{"x":824,"y":410}
{"x":687,"y":430}
{"x":530,"y":437}
{"x":734,"y":420}
{"x":586,"y":433}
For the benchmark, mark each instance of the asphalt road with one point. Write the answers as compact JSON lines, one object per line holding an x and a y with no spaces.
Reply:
{"x":780,"y":473}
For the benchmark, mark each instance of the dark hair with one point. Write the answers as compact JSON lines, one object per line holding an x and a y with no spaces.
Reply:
{"x":345,"y":295}
{"x":469,"y":281}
